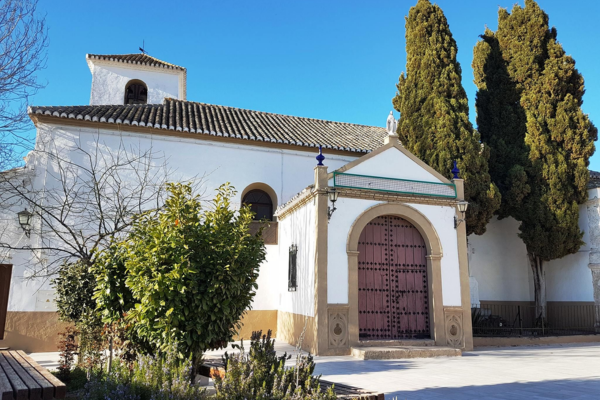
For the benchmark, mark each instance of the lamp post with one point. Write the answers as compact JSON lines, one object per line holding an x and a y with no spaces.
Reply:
{"x":462,"y":208}
{"x":25,"y":221}
{"x":333,"y":196}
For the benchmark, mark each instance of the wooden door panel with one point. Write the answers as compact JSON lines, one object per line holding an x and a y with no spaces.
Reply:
{"x":5,"y":277}
{"x":392,"y":279}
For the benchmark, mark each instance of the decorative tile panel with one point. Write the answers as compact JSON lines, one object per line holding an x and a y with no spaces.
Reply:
{"x":338,"y":327}
{"x":453,"y":318}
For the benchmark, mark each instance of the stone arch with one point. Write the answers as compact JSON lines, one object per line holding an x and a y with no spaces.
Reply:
{"x":434,"y":270}
{"x":263,"y":187}
{"x":136,"y":92}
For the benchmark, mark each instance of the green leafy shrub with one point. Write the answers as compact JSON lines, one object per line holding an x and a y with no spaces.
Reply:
{"x":191,"y":271}
{"x":261,"y":374}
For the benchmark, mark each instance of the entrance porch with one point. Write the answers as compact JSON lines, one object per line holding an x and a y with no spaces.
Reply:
{"x":389,"y":263}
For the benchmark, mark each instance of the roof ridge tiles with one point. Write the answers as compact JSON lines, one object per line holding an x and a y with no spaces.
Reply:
{"x":135,"y":59}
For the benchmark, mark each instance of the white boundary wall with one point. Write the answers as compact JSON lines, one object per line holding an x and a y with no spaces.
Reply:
{"x":498,"y":261}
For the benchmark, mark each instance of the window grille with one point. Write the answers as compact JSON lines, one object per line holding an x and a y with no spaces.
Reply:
{"x":292,"y":269}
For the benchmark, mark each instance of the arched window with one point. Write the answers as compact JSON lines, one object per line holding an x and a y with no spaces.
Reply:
{"x":136,"y":92}
{"x":260,"y":202}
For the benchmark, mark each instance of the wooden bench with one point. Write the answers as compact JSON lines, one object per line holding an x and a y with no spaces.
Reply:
{"x":214,"y":367}
{"x":22,"y":378}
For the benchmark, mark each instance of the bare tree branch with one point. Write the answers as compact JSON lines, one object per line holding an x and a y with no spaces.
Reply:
{"x":23,"y":44}
{"x":82,"y":195}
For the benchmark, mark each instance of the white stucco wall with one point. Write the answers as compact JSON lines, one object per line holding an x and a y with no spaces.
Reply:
{"x":392,"y":163}
{"x":498,"y":261}
{"x":109,"y":81}
{"x":297,"y":228}
{"x":348,"y":210}
{"x":286,"y":171}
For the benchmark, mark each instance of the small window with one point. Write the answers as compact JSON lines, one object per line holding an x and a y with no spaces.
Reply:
{"x":260,"y":203}
{"x":136,"y":92}
{"x":292,"y":271}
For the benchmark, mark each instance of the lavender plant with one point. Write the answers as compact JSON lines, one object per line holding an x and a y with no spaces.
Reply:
{"x":261,"y":374}
{"x":162,"y":377}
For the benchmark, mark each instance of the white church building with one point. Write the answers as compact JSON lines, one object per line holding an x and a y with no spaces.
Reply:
{"x":366,"y":244}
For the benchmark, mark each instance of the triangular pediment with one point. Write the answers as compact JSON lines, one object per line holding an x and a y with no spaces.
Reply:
{"x":392,"y":160}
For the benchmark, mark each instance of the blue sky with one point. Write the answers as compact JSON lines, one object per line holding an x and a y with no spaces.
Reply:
{"x":336,"y":60}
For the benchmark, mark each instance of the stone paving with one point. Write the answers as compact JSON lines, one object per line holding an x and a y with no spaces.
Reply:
{"x":535,"y":372}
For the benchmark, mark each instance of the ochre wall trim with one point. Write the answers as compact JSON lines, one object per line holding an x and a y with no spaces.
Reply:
{"x":290,"y":327}
{"x":32,"y":331}
{"x":257,"y":320}
{"x":533,"y":341}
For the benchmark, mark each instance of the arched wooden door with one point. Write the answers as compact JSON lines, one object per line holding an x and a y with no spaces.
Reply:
{"x":393,"y":300}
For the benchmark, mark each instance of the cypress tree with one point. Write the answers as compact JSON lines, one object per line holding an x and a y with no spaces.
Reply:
{"x":434,"y":112}
{"x":501,"y":122}
{"x":558,"y":138}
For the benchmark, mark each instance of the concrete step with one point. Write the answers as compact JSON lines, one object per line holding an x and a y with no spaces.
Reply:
{"x":400,"y":352}
{"x":403,"y":342}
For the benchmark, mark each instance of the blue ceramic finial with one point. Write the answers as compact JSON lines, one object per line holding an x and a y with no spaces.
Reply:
{"x":320,"y":157}
{"x":455,"y":171}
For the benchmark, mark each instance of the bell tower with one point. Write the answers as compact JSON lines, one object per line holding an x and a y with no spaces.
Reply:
{"x":134,"y":79}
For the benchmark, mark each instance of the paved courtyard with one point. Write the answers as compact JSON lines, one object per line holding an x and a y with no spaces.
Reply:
{"x":536,"y":372}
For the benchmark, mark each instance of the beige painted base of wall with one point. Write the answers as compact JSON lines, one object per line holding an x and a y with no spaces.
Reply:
{"x":529,"y":341}
{"x":38,"y":331}
{"x":32,"y":331}
{"x":290,"y":327}
{"x":257,"y":320}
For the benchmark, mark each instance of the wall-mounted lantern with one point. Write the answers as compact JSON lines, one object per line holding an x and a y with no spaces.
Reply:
{"x":462,"y":207}
{"x":333,"y":196}
{"x":25,"y":221}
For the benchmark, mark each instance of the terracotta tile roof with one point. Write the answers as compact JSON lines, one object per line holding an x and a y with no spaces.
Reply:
{"x":207,"y":119}
{"x":594,"y":180}
{"x":138,"y":59}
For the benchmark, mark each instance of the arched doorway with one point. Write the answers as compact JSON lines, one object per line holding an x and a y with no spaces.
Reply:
{"x":393,"y":288}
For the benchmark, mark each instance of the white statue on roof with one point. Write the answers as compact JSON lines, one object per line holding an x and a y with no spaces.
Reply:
{"x":391,"y":124}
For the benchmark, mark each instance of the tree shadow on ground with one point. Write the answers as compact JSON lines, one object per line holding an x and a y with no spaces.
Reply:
{"x":580,"y":389}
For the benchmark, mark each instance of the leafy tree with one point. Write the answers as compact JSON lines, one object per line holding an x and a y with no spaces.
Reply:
{"x":192,"y":271}
{"x":112,"y":295}
{"x":550,"y":146}
{"x":74,"y":287}
{"x":434,"y":112}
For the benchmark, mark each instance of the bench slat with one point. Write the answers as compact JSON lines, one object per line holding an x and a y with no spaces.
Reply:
{"x":6,"y":391}
{"x":47,"y":387}
{"x":60,"y":390}
{"x":20,"y":390}
{"x":35,"y":390}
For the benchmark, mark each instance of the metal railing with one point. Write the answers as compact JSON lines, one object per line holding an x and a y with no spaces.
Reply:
{"x":528,"y":320}
{"x":394,"y":185}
